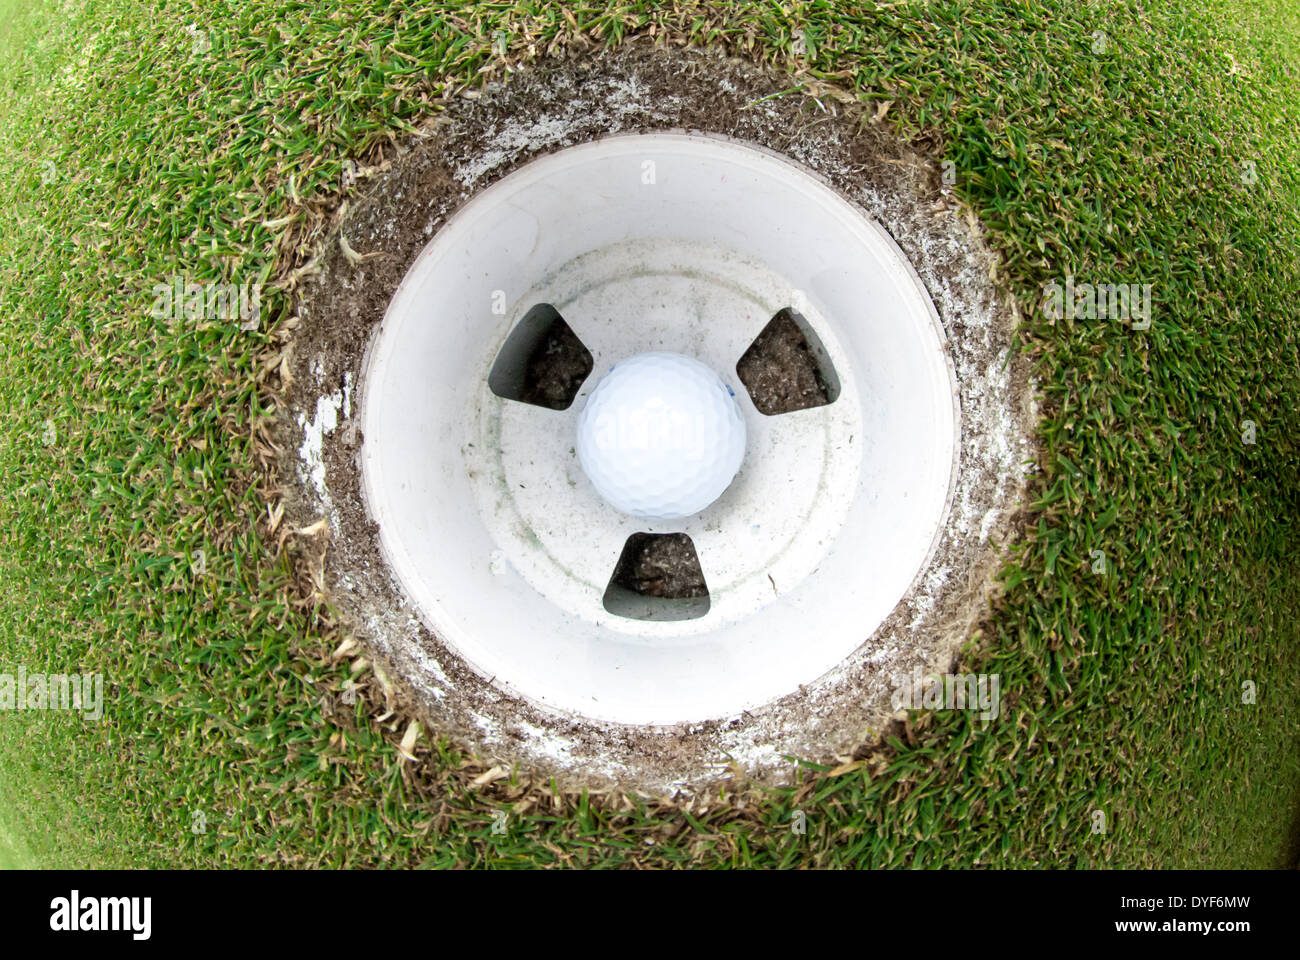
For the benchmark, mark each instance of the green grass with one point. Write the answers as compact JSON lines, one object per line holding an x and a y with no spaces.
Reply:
{"x":127,"y":156}
{"x":13,"y":848}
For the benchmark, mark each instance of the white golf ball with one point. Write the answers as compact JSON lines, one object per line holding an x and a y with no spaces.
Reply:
{"x":661,"y":436}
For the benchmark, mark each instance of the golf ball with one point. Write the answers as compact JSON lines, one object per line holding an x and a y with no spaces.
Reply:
{"x":661,"y":436}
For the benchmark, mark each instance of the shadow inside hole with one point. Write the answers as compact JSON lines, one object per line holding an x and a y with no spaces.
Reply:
{"x":542,"y":362}
{"x":658,"y":577}
{"x":787,"y":368}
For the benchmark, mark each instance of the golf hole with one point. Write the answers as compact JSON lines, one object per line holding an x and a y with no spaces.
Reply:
{"x":836,"y":505}
{"x":514,"y":257}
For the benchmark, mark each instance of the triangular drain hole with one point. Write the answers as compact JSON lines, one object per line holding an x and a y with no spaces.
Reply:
{"x":786,"y":368}
{"x":658,"y":577}
{"x":542,"y":361}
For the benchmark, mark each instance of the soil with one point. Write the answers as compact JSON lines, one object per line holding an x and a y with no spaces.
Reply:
{"x":405,"y":191}
{"x":780,"y":371}
{"x":556,"y":368}
{"x":661,"y":565}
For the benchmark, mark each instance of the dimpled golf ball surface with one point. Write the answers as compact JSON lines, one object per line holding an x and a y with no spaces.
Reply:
{"x":661,"y":436}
